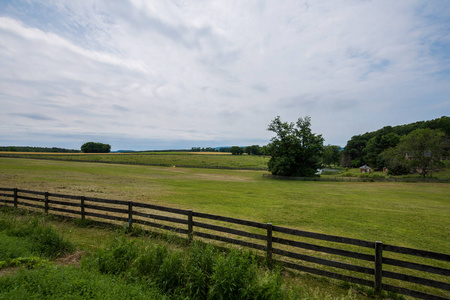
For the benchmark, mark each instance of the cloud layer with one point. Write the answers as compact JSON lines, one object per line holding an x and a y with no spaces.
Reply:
{"x":177,"y":74}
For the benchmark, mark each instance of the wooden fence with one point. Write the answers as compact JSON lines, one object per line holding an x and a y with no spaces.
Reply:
{"x":392,"y":268}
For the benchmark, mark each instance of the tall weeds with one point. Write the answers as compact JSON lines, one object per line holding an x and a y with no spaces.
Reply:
{"x":201,"y":272}
{"x":40,"y":240}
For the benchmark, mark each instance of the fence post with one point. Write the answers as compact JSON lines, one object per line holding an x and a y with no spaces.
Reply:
{"x":46,"y":203}
{"x":378,"y":266}
{"x":15,"y":197}
{"x":190,"y":226}
{"x":269,"y":245}
{"x":130,"y":214}
{"x":82,"y":208}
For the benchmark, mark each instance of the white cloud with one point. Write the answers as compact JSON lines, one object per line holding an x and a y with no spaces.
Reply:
{"x":220,"y":70}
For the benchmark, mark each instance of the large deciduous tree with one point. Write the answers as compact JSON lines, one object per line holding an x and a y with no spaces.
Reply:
{"x":295,"y":150}
{"x":422,"y":150}
{"x":331,"y":154}
{"x":236,"y":150}
{"x":91,"y":147}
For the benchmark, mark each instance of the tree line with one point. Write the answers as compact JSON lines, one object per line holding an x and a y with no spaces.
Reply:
{"x":234,"y":150}
{"x":36,"y":149}
{"x":368,"y":148}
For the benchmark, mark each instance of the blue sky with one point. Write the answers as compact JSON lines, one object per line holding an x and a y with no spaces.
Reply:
{"x":179,"y":74}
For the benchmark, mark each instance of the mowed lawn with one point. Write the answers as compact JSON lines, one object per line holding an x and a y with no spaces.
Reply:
{"x":406,"y":214}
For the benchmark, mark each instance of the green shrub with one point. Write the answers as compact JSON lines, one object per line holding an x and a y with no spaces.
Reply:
{"x":372,"y":175}
{"x":22,"y":227}
{"x":199,"y":268}
{"x":46,"y":241}
{"x":234,"y":276}
{"x":72,"y":283}
{"x":117,"y":256}
{"x":348,"y":174}
{"x":149,"y":262}
{"x":170,"y":275}
{"x":269,"y":286}
{"x":28,"y":262}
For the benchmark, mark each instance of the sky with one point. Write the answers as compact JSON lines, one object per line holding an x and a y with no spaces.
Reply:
{"x":175,"y":74}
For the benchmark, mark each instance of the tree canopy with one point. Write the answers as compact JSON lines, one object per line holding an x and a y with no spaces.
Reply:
{"x":367,"y":148}
{"x":91,"y":147}
{"x":331,"y":154}
{"x":295,"y":150}
{"x":421,"y":150}
{"x":236,"y":150}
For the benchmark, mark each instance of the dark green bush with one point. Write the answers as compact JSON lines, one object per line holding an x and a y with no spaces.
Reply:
{"x":12,"y":247}
{"x":199,"y":269}
{"x":118,"y":256}
{"x":234,"y":276}
{"x":171,"y":273}
{"x":47,"y":242}
{"x":150,"y":260}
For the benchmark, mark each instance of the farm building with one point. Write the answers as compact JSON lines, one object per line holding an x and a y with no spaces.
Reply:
{"x":365,"y":169}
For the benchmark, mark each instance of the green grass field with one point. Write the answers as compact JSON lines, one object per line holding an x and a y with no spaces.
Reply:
{"x":404,"y":214}
{"x":209,"y":160}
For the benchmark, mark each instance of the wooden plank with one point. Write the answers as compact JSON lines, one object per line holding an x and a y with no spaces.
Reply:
{"x":64,"y":196}
{"x":324,"y":249}
{"x":31,"y":205}
{"x":105,"y":216}
{"x":162,"y":218}
{"x":415,"y":266}
{"x":230,"y":220}
{"x":120,"y":202}
{"x":417,"y":252}
{"x":104,"y":208}
{"x":324,"y":262}
{"x":160,"y":226}
{"x":63,"y":203}
{"x":162,"y":208}
{"x":31,"y":192}
{"x":230,"y":240}
{"x":324,"y":237}
{"x":230,"y":230}
{"x":7,"y":189}
{"x":7,"y":201}
{"x":6,"y":195}
{"x":31,"y":198}
{"x":412,"y":293}
{"x":419,"y":280}
{"x":64,"y":210}
{"x":326,"y":273}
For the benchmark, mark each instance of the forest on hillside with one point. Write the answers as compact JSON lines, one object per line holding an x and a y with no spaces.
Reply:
{"x":367,"y":148}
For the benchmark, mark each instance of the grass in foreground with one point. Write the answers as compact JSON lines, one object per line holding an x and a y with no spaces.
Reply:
{"x":143,"y":268}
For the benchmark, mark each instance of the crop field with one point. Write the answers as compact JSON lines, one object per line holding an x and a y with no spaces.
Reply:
{"x":405,"y":214}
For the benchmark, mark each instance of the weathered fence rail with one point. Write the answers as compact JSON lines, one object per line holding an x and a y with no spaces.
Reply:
{"x":360,"y":262}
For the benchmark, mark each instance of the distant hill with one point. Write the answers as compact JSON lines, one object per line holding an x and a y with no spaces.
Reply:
{"x":123,"y":151}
